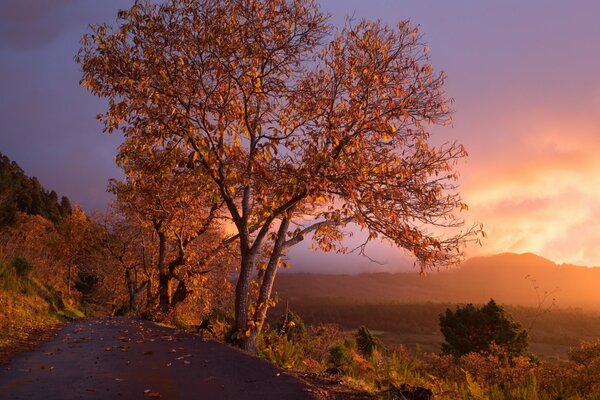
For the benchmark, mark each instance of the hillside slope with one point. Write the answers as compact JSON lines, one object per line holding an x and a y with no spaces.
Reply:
{"x":520,"y":279}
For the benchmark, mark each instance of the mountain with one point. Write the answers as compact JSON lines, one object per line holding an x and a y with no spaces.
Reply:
{"x":19,"y":192}
{"x":519,"y":279}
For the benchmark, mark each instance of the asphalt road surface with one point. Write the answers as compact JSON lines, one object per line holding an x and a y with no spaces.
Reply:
{"x":123,"y":358}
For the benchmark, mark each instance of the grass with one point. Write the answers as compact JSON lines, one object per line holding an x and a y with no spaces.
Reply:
{"x":29,"y":309}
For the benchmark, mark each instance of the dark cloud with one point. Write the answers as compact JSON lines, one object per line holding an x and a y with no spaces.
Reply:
{"x":30,"y":24}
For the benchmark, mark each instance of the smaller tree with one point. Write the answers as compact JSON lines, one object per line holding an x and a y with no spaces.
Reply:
{"x":474,"y":330}
{"x":367,"y":343}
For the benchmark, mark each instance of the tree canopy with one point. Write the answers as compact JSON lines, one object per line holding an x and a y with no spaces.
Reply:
{"x":296,"y":129}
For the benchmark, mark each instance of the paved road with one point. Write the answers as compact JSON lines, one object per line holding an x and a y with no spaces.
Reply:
{"x":123,"y":358}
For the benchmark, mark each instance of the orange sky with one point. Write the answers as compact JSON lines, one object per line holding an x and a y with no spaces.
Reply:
{"x":525,"y":77}
{"x":540,"y":192}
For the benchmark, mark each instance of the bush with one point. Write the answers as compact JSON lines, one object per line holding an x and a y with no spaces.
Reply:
{"x":366,"y":343}
{"x":22,"y":267}
{"x":340,"y":356}
{"x":471,"y":329}
{"x":291,"y":325}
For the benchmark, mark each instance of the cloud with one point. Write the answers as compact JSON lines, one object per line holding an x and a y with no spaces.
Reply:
{"x":542,"y":195}
{"x":30,"y":24}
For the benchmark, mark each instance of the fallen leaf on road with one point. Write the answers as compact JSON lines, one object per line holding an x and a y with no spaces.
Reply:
{"x":108,"y":349}
{"x":172,"y":351}
{"x":150,"y":393}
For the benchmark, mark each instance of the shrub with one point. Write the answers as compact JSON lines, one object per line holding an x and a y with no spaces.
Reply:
{"x":291,"y":325}
{"x":22,"y":266}
{"x":340,"y":356}
{"x":586,"y":353}
{"x":366,"y":343}
{"x":471,"y":329}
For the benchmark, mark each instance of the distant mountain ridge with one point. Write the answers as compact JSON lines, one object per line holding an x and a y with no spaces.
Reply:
{"x":509,"y":278}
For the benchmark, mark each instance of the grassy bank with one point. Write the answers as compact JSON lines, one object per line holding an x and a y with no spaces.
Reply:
{"x":29,"y":309}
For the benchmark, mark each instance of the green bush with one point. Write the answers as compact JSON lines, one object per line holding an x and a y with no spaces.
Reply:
{"x":282,"y":351}
{"x":474,"y":330}
{"x":8,"y":277}
{"x":22,"y":266}
{"x":367,"y":343}
{"x":14,"y":276}
{"x":340,"y":356}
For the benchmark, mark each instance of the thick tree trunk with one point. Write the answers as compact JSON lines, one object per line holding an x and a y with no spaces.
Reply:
{"x":164,"y":277}
{"x":264,"y":295}
{"x":242,"y":291}
{"x":134,"y":290}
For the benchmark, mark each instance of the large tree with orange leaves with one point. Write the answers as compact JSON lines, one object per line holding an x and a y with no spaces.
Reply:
{"x":300,"y":131}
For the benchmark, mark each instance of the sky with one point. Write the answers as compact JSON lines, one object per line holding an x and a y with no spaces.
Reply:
{"x":524,"y":76}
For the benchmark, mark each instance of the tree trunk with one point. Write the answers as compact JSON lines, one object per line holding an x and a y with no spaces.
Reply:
{"x":136,"y":297}
{"x":69,"y":279}
{"x":149,"y":297}
{"x":164,"y":277}
{"x":134,"y":291}
{"x":262,"y":304}
{"x":242,"y":291}
{"x":130,"y":287}
{"x":181,"y":293}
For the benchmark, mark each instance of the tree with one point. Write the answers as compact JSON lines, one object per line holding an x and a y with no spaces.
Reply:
{"x":184,"y":215}
{"x":298,"y":132}
{"x":471,"y":329}
{"x":71,"y":243}
{"x":128,"y":243}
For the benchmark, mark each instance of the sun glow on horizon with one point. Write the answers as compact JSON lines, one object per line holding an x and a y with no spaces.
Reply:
{"x":543,"y":195}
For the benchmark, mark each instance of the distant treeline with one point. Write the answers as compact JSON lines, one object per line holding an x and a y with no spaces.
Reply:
{"x":552,"y":326}
{"x":18,"y":192}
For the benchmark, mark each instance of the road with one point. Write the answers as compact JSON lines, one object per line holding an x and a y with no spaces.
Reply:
{"x":124,"y":358}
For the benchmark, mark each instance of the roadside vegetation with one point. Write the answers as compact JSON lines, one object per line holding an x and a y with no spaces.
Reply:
{"x":30,"y":308}
{"x":496,"y":372}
